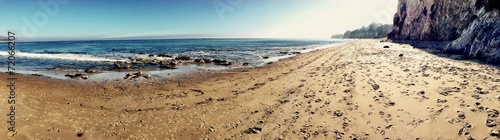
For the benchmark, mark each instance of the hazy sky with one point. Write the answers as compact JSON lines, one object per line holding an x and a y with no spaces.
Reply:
{"x":97,"y":19}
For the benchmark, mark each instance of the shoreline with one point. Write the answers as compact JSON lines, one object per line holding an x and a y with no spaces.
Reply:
{"x":162,"y":73}
{"x":356,"y":90}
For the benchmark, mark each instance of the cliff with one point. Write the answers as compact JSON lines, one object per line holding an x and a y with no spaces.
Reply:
{"x":473,"y":26}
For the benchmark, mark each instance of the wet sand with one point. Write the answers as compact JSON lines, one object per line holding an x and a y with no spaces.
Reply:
{"x":358,"y":90}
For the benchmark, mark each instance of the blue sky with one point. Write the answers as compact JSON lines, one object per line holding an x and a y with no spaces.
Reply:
{"x":108,"y":19}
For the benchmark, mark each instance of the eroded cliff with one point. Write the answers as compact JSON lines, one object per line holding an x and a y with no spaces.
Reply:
{"x":473,"y":26}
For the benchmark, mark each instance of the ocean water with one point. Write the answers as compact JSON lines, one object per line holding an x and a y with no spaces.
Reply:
{"x":101,"y":54}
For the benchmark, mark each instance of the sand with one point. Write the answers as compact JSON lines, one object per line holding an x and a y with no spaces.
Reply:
{"x":355,"y":91}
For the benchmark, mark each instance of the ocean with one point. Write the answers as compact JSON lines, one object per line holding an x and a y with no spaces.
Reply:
{"x":43,"y":57}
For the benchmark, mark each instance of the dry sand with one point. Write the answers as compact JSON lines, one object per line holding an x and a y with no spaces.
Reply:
{"x":358,"y":90}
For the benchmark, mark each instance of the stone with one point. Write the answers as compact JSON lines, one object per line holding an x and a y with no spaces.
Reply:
{"x":386,"y":46}
{"x":183,"y":57}
{"x":139,"y":73}
{"x":164,"y":55}
{"x":147,"y":76}
{"x":198,"y":60}
{"x":91,"y":70}
{"x":122,"y":66}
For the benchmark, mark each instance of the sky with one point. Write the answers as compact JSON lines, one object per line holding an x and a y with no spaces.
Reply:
{"x":111,"y":19}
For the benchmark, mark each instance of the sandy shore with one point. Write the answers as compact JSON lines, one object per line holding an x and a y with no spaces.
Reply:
{"x":358,"y":90}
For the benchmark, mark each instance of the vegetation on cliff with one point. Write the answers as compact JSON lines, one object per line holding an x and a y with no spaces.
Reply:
{"x":374,"y":30}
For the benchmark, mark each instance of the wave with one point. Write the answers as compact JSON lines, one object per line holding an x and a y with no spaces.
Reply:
{"x":64,"y":56}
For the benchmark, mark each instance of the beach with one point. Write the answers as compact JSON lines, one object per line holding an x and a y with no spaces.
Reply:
{"x":359,"y":90}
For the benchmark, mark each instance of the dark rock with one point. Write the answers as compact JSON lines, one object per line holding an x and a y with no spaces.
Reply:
{"x":168,"y":66}
{"x":222,"y":62}
{"x":183,"y":57}
{"x":143,"y":53}
{"x":265,"y":57}
{"x":84,"y":77}
{"x":37,"y":75}
{"x":122,"y":66}
{"x":386,"y":46}
{"x":207,"y":60}
{"x":78,"y":75}
{"x":245,"y":64}
{"x":296,"y":52}
{"x":91,"y":70}
{"x":71,"y":76}
{"x":199,"y":60}
{"x":139,"y":73}
{"x":128,"y":75}
{"x":164,"y":55}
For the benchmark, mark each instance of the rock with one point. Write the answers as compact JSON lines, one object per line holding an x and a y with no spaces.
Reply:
{"x":128,"y":75}
{"x":148,"y":76}
{"x":36,"y":75}
{"x":265,"y":57}
{"x":386,"y":46}
{"x":78,"y":75}
{"x":169,"y":66}
{"x":85,"y":77}
{"x":122,"y":66}
{"x":164,"y":55}
{"x":139,"y":73}
{"x":143,"y":53}
{"x":154,"y":62}
{"x":91,"y":70}
{"x":296,"y":52}
{"x":245,"y":64}
{"x":183,"y":57}
{"x":207,"y":60}
{"x":198,"y":60}
{"x":400,"y":55}
{"x":222,"y":62}
{"x":473,"y":26}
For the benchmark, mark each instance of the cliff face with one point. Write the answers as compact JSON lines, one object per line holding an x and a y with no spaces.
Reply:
{"x":472,"y":25}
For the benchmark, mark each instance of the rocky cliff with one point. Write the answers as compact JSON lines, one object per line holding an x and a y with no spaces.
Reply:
{"x":473,"y":26}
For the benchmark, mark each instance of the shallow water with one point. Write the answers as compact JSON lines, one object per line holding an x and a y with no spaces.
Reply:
{"x":75,"y":56}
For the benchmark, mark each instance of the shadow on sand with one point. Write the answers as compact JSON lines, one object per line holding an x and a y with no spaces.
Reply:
{"x":436,"y":48}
